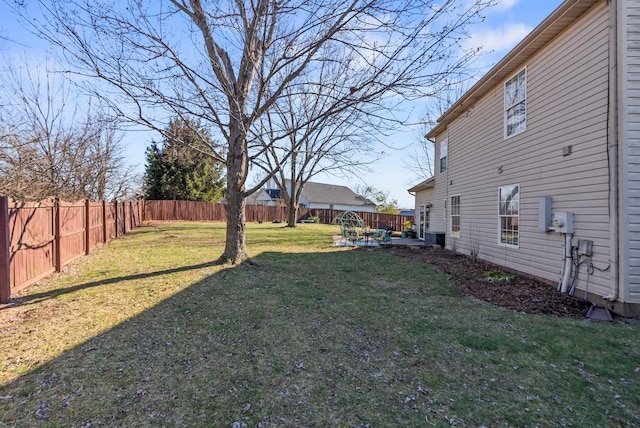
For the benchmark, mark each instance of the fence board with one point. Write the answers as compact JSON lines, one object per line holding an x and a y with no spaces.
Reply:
{"x":5,"y":244}
{"x":72,"y":231}
{"x":110,"y":220}
{"x":96,"y":225}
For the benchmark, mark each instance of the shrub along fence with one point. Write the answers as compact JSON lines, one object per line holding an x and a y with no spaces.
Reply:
{"x":208,"y":211}
{"x":38,"y":238}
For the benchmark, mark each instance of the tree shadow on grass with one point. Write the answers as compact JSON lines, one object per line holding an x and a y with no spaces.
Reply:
{"x":235,"y":346}
{"x":33,"y":298}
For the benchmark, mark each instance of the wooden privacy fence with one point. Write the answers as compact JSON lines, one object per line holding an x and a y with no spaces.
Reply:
{"x":38,"y":238}
{"x":208,"y":211}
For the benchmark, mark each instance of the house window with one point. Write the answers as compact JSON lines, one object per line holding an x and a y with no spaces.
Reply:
{"x":508,"y":215}
{"x":515,"y":104}
{"x":443,"y":156}
{"x":455,"y":216}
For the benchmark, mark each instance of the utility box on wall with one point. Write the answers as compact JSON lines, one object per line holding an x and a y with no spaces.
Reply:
{"x":544,"y":213}
{"x":562,"y":222}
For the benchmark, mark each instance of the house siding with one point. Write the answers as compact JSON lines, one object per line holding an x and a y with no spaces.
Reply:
{"x":629,"y":117}
{"x":437,"y":218}
{"x":567,"y":96}
{"x":423,"y":197}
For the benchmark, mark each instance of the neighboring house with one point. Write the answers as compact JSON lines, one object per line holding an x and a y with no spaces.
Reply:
{"x":553,"y":128}
{"x":266,"y":197}
{"x":318,"y":195}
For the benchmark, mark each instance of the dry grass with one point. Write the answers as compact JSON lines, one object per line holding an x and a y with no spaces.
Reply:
{"x":147,"y":332}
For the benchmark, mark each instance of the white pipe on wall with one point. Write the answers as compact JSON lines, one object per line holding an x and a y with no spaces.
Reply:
{"x":567,"y":263}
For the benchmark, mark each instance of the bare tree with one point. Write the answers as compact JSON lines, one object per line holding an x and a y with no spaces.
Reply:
{"x":228,"y":63}
{"x":49,"y":147}
{"x":299,"y":142}
{"x":421,"y":153}
{"x":379,"y":197}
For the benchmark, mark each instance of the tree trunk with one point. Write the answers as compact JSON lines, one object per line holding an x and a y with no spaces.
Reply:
{"x":235,"y":250}
{"x":290,"y":193}
{"x":292,"y":211}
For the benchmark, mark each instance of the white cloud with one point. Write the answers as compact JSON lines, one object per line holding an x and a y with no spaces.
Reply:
{"x":499,"y":39}
{"x":500,"y":7}
{"x":505,"y":5}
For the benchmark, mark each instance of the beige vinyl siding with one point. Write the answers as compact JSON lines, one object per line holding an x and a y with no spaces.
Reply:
{"x":423,"y":197}
{"x":437,"y":220}
{"x":630,"y":150}
{"x":567,"y":95}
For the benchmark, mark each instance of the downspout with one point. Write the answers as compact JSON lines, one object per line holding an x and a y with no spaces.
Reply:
{"x":612,"y":153}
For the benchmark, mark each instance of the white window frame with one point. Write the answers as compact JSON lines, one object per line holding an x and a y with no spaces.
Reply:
{"x":506,"y":212}
{"x":519,"y":100}
{"x":452,"y":233}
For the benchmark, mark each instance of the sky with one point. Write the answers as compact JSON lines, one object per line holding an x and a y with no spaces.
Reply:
{"x":505,"y":25}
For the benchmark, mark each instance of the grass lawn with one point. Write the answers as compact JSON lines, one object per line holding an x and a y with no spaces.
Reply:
{"x":148,"y":332}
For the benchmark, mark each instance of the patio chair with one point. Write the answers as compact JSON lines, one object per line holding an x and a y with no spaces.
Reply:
{"x":344,"y":236}
{"x":383,"y":236}
{"x":349,"y":235}
{"x":353,"y":234}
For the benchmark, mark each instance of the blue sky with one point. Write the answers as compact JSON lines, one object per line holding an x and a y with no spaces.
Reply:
{"x":505,"y":25}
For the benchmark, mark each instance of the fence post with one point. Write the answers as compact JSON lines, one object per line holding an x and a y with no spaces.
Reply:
{"x":115,"y":208}
{"x":132,"y":212}
{"x":104,"y":221}
{"x":130,"y":216}
{"x":5,"y":251}
{"x":87,"y":227}
{"x":57,"y":260}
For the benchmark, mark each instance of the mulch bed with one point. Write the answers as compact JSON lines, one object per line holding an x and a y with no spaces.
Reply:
{"x":520,"y":293}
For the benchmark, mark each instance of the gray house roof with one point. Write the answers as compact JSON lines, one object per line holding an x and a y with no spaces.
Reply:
{"x":320,"y":193}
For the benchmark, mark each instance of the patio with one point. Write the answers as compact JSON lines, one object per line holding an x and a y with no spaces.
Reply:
{"x":339,"y":241}
{"x":354,"y":233}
